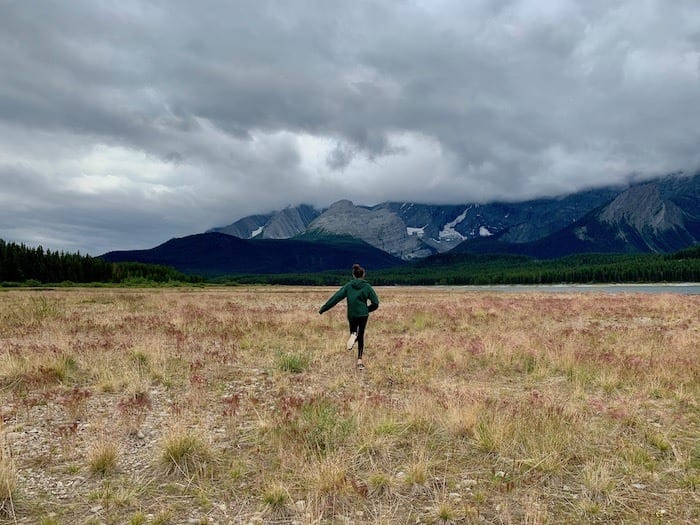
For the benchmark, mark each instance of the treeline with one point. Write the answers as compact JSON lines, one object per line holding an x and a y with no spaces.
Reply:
{"x":22,"y":264}
{"x":689,"y":253}
{"x":480,"y":270}
{"x":330,"y":278}
{"x":466,"y":269}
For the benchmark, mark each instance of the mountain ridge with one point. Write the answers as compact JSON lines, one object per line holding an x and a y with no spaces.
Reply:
{"x":642,"y":219}
{"x":215,"y":254}
{"x":658,"y":216}
{"x":411,"y":230}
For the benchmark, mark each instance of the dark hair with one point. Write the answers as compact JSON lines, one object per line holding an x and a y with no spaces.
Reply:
{"x":358,"y":271}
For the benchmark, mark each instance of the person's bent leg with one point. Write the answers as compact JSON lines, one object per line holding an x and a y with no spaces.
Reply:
{"x":353,"y":322}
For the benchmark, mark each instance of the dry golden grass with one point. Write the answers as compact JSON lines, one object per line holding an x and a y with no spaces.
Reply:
{"x":8,"y":482}
{"x":240,"y":405}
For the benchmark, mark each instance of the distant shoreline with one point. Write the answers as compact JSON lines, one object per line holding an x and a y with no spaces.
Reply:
{"x":678,"y":288}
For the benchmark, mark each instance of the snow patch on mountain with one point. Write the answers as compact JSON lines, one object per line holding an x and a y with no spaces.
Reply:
{"x":256,"y":232}
{"x":448,"y":232}
{"x":418,"y":232}
{"x":484,"y":232}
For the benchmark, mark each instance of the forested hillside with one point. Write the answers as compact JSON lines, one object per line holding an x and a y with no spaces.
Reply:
{"x":469,"y":269}
{"x":19,"y":264}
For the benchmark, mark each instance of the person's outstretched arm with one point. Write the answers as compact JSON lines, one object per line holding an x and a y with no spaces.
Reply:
{"x":335,"y":299}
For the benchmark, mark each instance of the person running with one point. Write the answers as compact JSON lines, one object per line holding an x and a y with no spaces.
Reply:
{"x":356,"y":292}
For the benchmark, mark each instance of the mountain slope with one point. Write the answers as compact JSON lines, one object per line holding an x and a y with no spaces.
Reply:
{"x":657,"y":216}
{"x":443,"y":227}
{"x":245,"y":228}
{"x":413,"y":230}
{"x":643,"y":219}
{"x":214,"y":253}
{"x":656,"y":224}
{"x":377,"y":226}
{"x":277,"y":225}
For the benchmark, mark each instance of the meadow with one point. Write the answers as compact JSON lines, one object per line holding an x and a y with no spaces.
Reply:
{"x":242,"y":405}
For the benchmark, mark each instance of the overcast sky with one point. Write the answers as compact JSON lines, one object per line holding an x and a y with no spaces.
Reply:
{"x":125,"y":123}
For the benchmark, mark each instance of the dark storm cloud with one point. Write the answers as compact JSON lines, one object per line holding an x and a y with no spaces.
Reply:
{"x":178,"y":116}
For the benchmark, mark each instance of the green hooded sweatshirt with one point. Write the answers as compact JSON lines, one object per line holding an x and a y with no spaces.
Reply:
{"x":357,"y":292}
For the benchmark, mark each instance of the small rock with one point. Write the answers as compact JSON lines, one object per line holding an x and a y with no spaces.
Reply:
{"x":96,"y":509}
{"x":639,"y":486}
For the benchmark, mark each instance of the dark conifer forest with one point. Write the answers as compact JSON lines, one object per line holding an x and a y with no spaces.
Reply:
{"x":20,"y":264}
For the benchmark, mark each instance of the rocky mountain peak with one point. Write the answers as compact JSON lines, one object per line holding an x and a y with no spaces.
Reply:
{"x":643,"y":208}
{"x":289,"y":222}
{"x":342,"y":205}
{"x":661,"y":215}
{"x":282,"y":224}
{"x":377,"y":226}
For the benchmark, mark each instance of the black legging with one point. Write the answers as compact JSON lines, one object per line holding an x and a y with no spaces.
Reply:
{"x":358,"y":325}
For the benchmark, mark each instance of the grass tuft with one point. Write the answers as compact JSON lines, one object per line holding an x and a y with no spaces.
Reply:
{"x":102,"y":458}
{"x":294,"y":363}
{"x":275,"y":497}
{"x":138,"y":519}
{"x":445,"y":512}
{"x":380,"y":483}
{"x":316,"y":423}
{"x":186,"y":454}
{"x":598,"y":481}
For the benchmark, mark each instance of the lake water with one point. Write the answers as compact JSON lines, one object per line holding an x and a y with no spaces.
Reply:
{"x":672,"y":288}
